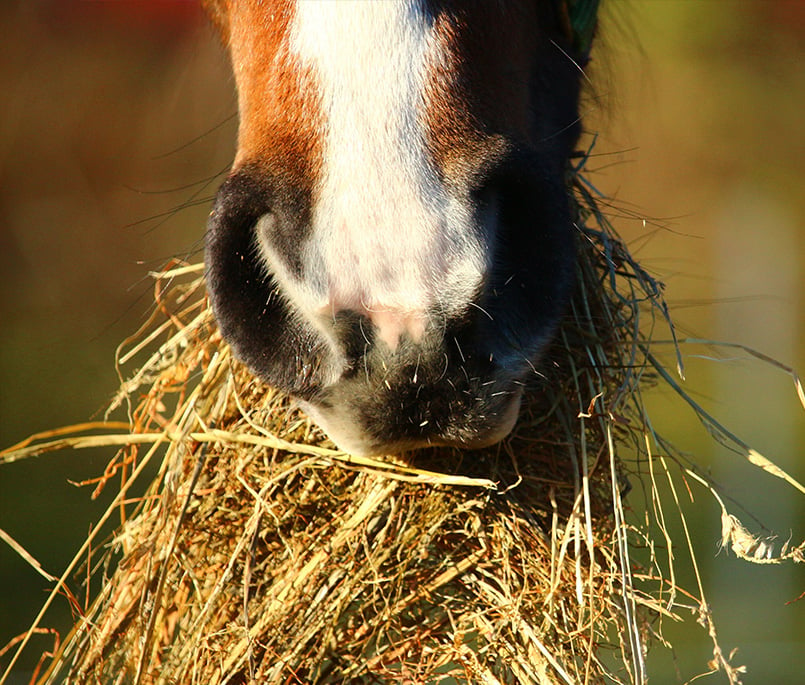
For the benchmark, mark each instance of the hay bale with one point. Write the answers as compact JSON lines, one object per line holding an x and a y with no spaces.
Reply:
{"x":260,"y":554}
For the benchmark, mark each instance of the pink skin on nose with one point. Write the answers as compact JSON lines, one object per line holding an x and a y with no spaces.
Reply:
{"x":391,"y":320}
{"x":391,"y":324}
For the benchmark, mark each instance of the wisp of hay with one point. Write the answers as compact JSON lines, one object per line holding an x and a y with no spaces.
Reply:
{"x":260,"y":554}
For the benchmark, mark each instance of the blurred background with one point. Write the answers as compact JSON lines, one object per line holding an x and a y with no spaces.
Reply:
{"x":118,"y":119}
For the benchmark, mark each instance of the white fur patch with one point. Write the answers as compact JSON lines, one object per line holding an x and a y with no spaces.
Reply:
{"x":388,"y":240}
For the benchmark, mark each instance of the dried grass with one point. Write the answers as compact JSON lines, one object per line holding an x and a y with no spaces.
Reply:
{"x":259,"y":554}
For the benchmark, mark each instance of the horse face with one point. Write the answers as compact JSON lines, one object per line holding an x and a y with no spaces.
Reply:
{"x":394,"y":246}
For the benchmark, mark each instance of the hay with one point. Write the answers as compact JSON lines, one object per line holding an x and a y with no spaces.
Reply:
{"x":260,"y":554}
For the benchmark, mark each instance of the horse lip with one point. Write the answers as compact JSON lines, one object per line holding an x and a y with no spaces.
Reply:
{"x":349,"y":436}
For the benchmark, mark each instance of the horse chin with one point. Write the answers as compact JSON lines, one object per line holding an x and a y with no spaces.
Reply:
{"x":471,"y":432}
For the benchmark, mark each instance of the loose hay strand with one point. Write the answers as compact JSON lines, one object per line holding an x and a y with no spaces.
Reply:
{"x":61,"y":582}
{"x":723,"y":435}
{"x":26,"y":555}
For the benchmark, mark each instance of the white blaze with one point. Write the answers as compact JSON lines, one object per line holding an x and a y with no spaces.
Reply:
{"x":388,"y":240}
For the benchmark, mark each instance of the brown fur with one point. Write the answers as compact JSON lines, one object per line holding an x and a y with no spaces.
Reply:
{"x":280,"y":122}
{"x":471,"y":110}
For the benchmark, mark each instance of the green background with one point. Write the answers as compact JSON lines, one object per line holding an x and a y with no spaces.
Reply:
{"x":117,"y":117}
